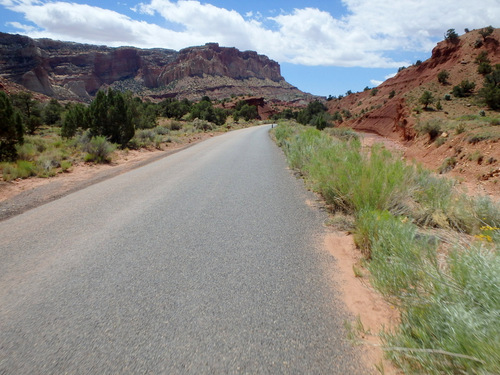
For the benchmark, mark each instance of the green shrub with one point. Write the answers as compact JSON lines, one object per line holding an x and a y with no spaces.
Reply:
{"x":345,"y":134}
{"x":449,"y":299}
{"x":20,"y":169}
{"x":464,"y":89}
{"x":161,"y":130}
{"x":66,"y":165}
{"x":202,"y":125}
{"x":447,"y":165}
{"x":398,"y":253}
{"x":460,"y":128}
{"x":443,"y":76}
{"x":143,"y":138}
{"x":26,"y":151}
{"x":98,"y":150}
{"x":476,"y":138}
{"x":175,"y":125}
{"x":11,"y":129}
{"x":432,"y":128}
{"x":426,"y":99}
{"x":47,"y":164}
{"x":451,"y":324}
{"x":490,"y":92}
{"x":484,"y":68}
{"x":110,"y":116}
{"x":451,"y":36}
{"x":347,"y":179}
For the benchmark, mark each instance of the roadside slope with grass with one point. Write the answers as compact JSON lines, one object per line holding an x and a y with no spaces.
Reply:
{"x":444,"y":110}
{"x":431,"y":250}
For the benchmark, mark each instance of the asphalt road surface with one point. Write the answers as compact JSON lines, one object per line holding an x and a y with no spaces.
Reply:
{"x":208,"y":261}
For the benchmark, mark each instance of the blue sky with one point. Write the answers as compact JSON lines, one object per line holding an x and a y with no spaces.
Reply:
{"x":324,"y":47}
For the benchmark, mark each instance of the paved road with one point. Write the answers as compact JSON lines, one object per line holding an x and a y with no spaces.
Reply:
{"x":207,"y":261}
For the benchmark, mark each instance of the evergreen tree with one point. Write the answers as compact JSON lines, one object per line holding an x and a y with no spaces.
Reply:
{"x":491,"y":89}
{"x":29,"y":109}
{"x":426,"y":99}
{"x":464,"y":89}
{"x":314,"y":108}
{"x":11,"y":128}
{"x":109,"y":116}
{"x":52,"y":112}
{"x":486,"y":32}
{"x":76,"y":118}
{"x":246,"y":111}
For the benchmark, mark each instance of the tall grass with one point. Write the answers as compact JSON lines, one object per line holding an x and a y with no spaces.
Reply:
{"x":451,"y":324}
{"x":448,"y":294}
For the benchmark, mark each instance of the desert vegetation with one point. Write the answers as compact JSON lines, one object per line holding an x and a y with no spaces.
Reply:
{"x":431,"y":250}
{"x":44,"y":139}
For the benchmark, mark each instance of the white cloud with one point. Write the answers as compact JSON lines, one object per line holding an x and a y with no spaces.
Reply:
{"x":375,"y":82}
{"x":20,"y":26}
{"x":368,"y":35}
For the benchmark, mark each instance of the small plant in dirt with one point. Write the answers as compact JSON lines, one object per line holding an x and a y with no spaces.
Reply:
{"x":482,"y":57}
{"x":448,"y":165}
{"x":432,"y":128}
{"x":460,"y":128}
{"x":443,"y":76}
{"x":476,"y":138}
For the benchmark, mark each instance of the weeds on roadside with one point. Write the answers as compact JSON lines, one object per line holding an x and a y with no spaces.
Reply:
{"x":97,"y":149}
{"x":449,"y":299}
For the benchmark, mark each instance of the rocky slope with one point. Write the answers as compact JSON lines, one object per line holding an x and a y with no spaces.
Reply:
{"x":72,"y":71}
{"x":469,"y":135}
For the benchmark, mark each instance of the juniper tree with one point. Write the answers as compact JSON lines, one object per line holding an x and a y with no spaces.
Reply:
{"x":11,"y":128}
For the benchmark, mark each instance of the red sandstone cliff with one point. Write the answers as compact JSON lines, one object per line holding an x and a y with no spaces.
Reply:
{"x":77,"y":71}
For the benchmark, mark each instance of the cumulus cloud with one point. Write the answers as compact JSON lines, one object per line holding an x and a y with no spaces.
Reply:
{"x":368,"y":35}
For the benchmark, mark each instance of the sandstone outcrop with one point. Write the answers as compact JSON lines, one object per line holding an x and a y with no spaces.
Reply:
{"x":72,"y":71}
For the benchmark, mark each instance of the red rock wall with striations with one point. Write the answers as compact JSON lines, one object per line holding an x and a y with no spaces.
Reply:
{"x":76,"y":71}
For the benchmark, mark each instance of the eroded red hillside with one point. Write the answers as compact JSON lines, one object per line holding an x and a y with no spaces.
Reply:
{"x":469,"y":132}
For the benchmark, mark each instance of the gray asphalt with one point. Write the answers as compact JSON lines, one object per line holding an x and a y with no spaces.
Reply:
{"x":208,"y":261}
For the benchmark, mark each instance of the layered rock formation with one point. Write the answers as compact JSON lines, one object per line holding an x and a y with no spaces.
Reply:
{"x":75,"y":71}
